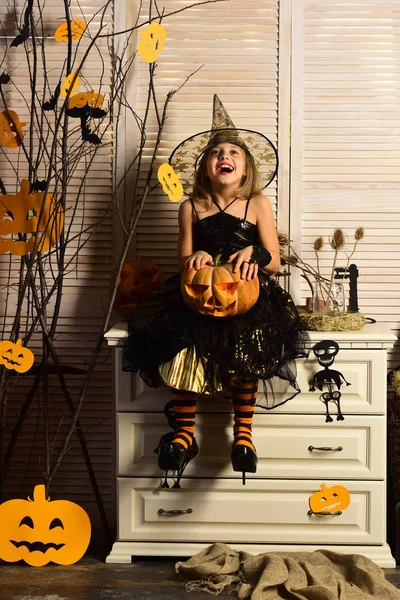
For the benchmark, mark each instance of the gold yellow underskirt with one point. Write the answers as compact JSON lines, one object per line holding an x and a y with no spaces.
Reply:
{"x":185,"y":372}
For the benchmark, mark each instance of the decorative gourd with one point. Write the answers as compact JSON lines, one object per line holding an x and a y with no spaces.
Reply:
{"x":170,"y":182}
{"x":330,"y":499}
{"x":67,"y":85}
{"x":19,"y":216}
{"x":152,"y":42}
{"x":14,"y":356}
{"x":137,"y":280}
{"x":39,"y":531}
{"x":77,"y":29}
{"x":11,"y":133}
{"x":218,"y":291}
{"x":92,"y":99}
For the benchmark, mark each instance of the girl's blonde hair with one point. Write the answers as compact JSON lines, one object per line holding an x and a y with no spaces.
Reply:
{"x":250,"y":186}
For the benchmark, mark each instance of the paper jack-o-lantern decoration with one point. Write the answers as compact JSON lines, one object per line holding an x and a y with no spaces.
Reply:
{"x":39,"y":531}
{"x":11,"y":133}
{"x":77,"y":29}
{"x":330,"y":499}
{"x":152,"y":42}
{"x":81,"y":99}
{"x":15,"y":356}
{"x":218,"y":291}
{"x":170,"y":182}
{"x":19,"y":221}
{"x":66,"y":86}
{"x":137,"y":280}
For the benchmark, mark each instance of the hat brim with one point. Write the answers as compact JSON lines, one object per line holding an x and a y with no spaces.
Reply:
{"x":184,"y":159}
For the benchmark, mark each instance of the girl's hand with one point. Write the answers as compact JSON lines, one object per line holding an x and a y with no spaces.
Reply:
{"x":198,"y":260}
{"x":249,"y":270}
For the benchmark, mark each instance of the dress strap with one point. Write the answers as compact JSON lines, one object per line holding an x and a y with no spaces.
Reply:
{"x":247,"y":206}
{"x":194,"y":208}
{"x":224,"y":209}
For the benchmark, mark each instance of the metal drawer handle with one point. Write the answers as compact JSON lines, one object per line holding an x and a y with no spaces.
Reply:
{"x":324,"y":514}
{"x":186,"y":511}
{"x":326,"y":448}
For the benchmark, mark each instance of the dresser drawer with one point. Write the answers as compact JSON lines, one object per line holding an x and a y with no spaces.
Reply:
{"x":283,"y":446}
{"x":263,"y":511}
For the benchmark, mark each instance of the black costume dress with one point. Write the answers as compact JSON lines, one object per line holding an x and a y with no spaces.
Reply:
{"x":169,"y":343}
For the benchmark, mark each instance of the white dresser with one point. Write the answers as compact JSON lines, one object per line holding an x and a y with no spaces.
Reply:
{"x":270,"y":512}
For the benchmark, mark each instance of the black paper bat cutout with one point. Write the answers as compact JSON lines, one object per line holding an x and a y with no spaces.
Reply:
{"x":84,"y":113}
{"x":52,"y":103}
{"x":38,"y":186}
{"x":87,"y":135}
{"x":24,"y":31}
{"x":4,"y":78}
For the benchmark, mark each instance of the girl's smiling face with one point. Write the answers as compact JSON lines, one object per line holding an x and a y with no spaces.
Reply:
{"x":226,"y":164}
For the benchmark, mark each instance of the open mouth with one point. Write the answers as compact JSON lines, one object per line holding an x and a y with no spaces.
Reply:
{"x":217,"y":310}
{"x":224,"y":169}
{"x":37,"y":546}
{"x":20,"y":237}
{"x":10,"y":360}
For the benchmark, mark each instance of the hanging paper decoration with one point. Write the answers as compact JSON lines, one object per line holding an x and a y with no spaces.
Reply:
{"x":170,"y":182}
{"x":77,"y":29}
{"x":15,"y":356}
{"x":39,"y":531}
{"x":329,"y":500}
{"x":19,"y":221}
{"x":52,"y":103}
{"x":66,"y":86}
{"x":11,"y":133}
{"x":325,"y":352}
{"x":24,"y":31}
{"x":92,"y":99}
{"x":152,"y":42}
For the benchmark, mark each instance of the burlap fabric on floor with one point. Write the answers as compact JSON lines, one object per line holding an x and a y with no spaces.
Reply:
{"x":319,"y":575}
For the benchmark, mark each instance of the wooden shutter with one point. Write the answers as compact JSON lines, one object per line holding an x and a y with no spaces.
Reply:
{"x":346,"y":158}
{"x":238,"y":45}
{"x":85,"y":288}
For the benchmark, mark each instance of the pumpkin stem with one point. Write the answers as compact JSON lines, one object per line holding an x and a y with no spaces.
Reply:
{"x":39,"y":494}
{"x":217,"y":260}
{"x":18,"y":343}
{"x":323,"y":486}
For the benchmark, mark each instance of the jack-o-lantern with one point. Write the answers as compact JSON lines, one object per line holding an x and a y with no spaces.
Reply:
{"x":152,"y":42}
{"x":39,"y":531}
{"x":77,"y":29}
{"x":137,"y":280}
{"x":218,"y":291}
{"x":11,"y":133}
{"x":92,"y":99}
{"x":14,"y":356}
{"x":170,"y":182}
{"x":19,"y":221}
{"x":68,"y":85}
{"x":330,"y":499}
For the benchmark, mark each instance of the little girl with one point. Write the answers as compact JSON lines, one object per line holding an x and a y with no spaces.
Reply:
{"x":227,"y":215}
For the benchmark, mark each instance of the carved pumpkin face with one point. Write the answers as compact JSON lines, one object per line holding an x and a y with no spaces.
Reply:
{"x":218,"y":291}
{"x":170,"y":182}
{"x":137,"y":280}
{"x":330,"y":499}
{"x":68,"y":84}
{"x":14,"y":356}
{"x":77,"y":29}
{"x":19,"y":217}
{"x":39,"y":531}
{"x":152,"y":42}
{"x":11,"y":133}
{"x":92,"y":98}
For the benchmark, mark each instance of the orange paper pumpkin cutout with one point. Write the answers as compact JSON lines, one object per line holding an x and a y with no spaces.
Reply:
{"x":92,"y":98}
{"x":14,"y":356}
{"x":67,"y":85}
{"x":170,"y":182}
{"x":152,"y":42}
{"x":19,"y":221}
{"x":77,"y":29}
{"x":218,"y":291}
{"x":330,"y":499}
{"x":39,"y":531}
{"x":137,"y":280}
{"x":11,"y":133}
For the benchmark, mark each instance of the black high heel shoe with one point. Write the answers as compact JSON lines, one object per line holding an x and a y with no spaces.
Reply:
{"x":244,"y":459}
{"x":172,"y":457}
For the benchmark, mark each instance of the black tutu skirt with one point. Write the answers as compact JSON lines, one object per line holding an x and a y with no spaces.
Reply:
{"x":168,"y":343}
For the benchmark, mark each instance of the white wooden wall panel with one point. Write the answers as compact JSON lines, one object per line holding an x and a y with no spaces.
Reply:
{"x":347,"y":142}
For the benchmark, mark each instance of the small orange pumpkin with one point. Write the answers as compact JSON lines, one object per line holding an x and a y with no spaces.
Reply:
{"x":330,"y":499}
{"x":137,"y":280}
{"x":152,"y":42}
{"x":68,"y":84}
{"x":92,"y":98}
{"x":218,"y":291}
{"x":170,"y":182}
{"x":77,"y":29}
{"x":14,"y":356}
{"x":19,"y":216}
{"x":11,"y":133}
{"x":39,"y":531}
